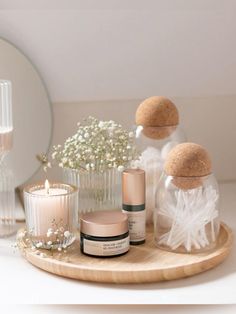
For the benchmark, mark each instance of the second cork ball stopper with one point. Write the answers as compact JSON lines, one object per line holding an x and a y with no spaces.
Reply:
{"x":188,"y":162}
{"x":158,"y":115}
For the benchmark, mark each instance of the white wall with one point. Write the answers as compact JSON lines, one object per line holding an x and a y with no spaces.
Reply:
{"x":127,"y":51}
{"x":101,"y":58}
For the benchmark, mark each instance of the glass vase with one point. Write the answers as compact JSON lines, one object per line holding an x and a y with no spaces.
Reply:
{"x":186,"y":217}
{"x":97,"y":190}
{"x":7,"y":201}
{"x":7,"y":186}
{"x":154,"y":144}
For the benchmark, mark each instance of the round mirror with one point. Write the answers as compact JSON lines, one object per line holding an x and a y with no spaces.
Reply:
{"x":32,"y":114}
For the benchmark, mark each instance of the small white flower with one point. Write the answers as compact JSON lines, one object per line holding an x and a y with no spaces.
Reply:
{"x":49,"y":243}
{"x":49,"y":232}
{"x":59,"y":249}
{"x":86,"y":135}
{"x":121,"y":168}
{"x":39,"y":245}
{"x":67,"y":234}
{"x":87,"y":167}
{"x":101,"y":124}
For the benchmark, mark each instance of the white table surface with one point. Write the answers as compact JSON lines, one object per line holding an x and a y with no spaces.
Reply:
{"x":22,"y":283}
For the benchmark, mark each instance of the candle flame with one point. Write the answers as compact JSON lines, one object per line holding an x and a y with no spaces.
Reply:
{"x":47,"y":186}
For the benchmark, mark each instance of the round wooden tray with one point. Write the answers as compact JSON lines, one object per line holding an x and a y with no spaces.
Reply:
{"x":142,"y":264}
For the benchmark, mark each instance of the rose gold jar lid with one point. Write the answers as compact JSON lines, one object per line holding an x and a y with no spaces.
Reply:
{"x":106,"y":223}
{"x":133,"y":186}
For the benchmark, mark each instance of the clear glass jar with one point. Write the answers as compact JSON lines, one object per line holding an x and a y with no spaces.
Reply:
{"x":154,"y":144}
{"x":97,"y":190}
{"x":51,"y":217}
{"x":7,"y":186}
{"x":186,"y":217}
{"x":7,"y":201}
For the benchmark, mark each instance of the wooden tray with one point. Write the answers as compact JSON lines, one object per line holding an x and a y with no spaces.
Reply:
{"x":142,"y":264}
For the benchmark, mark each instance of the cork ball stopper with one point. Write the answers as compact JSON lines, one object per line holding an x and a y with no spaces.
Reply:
{"x":157,"y":111}
{"x":190,"y":161}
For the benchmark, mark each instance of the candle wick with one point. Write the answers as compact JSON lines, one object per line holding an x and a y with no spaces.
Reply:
{"x":47,"y":187}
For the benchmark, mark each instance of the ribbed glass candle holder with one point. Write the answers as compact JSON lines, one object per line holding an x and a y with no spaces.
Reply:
{"x":51,"y":215}
{"x":7,"y":201}
{"x":97,"y":190}
{"x":7,"y":186}
{"x":6,"y":126}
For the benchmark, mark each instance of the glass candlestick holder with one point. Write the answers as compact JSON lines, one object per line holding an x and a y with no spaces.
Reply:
{"x":186,"y":217}
{"x":51,"y":214}
{"x":7,"y":191}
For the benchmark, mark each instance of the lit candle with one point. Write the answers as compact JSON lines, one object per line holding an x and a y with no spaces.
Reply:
{"x":50,"y":212}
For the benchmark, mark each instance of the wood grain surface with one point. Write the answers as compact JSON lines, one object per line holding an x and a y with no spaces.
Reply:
{"x":142,"y":264}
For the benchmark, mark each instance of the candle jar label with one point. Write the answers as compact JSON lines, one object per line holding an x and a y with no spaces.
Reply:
{"x":106,"y":248}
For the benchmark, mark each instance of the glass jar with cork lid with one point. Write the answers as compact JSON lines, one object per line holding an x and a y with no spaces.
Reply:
{"x":186,"y":217}
{"x":157,"y":131}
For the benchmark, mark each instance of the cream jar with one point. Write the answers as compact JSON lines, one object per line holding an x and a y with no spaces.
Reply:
{"x":104,"y":233}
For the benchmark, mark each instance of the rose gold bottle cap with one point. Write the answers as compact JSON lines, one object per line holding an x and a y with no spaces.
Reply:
{"x":106,"y":223}
{"x":133,"y":187}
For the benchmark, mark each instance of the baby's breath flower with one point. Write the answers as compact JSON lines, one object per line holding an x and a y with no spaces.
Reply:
{"x":96,"y":146}
{"x":49,"y":232}
{"x":121,"y":168}
{"x":39,"y":245}
{"x":67,"y":234}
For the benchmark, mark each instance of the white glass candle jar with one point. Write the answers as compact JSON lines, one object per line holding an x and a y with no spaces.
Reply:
{"x":51,"y":214}
{"x":186,"y":218}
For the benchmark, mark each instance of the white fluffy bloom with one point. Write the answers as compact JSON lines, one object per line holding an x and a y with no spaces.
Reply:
{"x":101,"y":124}
{"x":49,"y":232}
{"x":121,"y":168}
{"x":105,"y":142}
{"x":67,"y":234}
